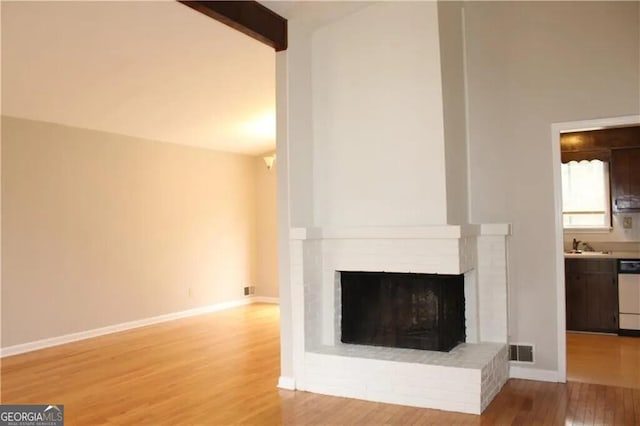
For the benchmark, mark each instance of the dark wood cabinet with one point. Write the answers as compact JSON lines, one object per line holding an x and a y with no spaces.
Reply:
{"x":576,"y":296}
{"x":625,"y":180}
{"x":591,"y":289}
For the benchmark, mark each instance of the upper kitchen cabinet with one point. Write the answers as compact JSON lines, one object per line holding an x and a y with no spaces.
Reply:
{"x":625,"y":180}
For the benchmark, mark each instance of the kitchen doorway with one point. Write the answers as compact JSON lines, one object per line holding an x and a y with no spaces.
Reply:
{"x":601,"y":357}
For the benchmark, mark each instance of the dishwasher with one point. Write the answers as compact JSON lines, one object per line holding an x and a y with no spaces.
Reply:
{"x":629,"y":296}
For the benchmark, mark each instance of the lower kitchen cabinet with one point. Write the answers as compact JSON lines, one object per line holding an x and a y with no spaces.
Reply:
{"x":591,"y":295}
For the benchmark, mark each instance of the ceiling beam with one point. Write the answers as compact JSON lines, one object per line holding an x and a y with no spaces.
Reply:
{"x":248,"y":17}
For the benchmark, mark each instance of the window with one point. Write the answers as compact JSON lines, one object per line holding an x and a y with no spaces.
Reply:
{"x":585,"y":194}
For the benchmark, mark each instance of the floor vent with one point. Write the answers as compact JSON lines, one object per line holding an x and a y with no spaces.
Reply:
{"x":522,"y":353}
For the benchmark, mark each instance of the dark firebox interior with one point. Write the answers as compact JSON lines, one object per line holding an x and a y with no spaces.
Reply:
{"x":418,"y":311}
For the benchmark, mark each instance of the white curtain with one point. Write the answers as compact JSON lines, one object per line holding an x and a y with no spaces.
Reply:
{"x":585,"y":194}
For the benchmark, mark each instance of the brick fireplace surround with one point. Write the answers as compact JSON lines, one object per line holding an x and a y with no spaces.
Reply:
{"x":465,"y":379}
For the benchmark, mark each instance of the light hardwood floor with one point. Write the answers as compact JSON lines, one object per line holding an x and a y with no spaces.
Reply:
{"x":602,"y":359}
{"x":222,"y":368}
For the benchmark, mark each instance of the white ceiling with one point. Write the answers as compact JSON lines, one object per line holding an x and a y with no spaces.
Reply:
{"x":314,"y":14}
{"x":156,"y":70}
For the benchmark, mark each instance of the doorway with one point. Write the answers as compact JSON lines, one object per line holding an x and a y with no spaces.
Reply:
{"x":588,"y":354}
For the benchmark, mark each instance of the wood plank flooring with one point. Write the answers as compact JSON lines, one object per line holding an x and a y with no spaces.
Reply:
{"x":602,"y":359}
{"x":222,"y":368}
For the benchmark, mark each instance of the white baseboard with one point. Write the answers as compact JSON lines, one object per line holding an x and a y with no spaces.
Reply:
{"x":288,"y":383}
{"x":517,"y":372}
{"x":264,"y":299}
{"x":74,"y":337}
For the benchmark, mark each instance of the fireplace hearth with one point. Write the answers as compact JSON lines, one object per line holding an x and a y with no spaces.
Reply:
{"x":403,"y":310}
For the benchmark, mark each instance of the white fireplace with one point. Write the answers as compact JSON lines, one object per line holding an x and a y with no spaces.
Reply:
{"x":465,"y":379}
{"x":376,"y":147}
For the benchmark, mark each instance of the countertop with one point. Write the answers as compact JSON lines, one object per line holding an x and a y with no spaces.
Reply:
{"x":601,"y":255}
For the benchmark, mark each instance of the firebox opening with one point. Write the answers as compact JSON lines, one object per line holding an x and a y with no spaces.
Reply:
{"x":403,"y":310}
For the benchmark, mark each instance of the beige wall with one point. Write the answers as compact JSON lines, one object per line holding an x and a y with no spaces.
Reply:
{"x":266,"y":230}
{"x":531,"y":64}
{"x":100,"y":229}
{"x":377,"y":118}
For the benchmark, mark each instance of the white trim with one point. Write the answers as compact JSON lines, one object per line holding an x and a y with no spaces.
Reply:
{"x":399,"y":232}
{"x":517,"y":372}
{"x":583,"y":230}
{"x":561,"y":315}
{"x":383,"y":232}
{"x":265,"y":299}
{"x":502,"y":229}
{"x":285,"y":382}
{"x":556,"y":129}
{"x":82,"y":335}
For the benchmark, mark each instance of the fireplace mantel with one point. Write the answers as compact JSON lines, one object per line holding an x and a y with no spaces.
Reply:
{"x":400,"y":232}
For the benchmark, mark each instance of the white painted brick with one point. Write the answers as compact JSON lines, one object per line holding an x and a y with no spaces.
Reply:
{"x":420,"y":385}
{"x":464,"y":380}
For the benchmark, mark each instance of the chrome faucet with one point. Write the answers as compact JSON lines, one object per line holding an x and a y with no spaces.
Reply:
{"x":576,"y":243}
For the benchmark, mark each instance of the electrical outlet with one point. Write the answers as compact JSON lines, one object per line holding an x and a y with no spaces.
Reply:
{"x":190,"y":292}
{"x":627,"y":222}
{"x":247,"y":291}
